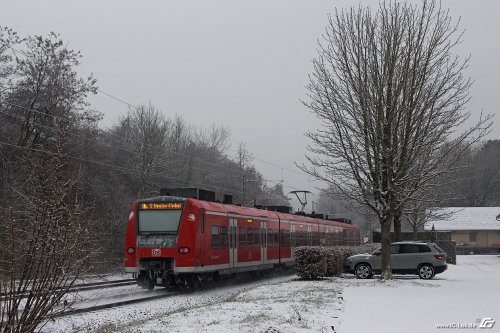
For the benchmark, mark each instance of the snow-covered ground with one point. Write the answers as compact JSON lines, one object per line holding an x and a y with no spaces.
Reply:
{"x":463,"y":295}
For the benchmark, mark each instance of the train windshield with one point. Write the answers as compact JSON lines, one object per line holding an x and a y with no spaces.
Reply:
{"x":153,"y":220}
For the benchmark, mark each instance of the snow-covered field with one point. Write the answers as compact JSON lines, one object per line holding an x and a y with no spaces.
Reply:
{"x":464,"y":295}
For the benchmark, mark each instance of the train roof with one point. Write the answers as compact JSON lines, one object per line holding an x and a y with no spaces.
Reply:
{"x":246,"y":211}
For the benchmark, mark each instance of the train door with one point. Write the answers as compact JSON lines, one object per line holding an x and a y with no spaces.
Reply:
{"x":309,"y":235}
{"x":292,"y":239}
{"x":233,"y":249}
{"x":263,"y":242}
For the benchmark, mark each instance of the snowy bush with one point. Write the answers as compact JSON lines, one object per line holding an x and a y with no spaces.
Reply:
{"x":313,"y":262}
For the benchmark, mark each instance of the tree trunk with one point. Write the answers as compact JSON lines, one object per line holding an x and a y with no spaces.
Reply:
{"x":397,"y":228}
{"x":386,"y":247}
{"x":415,"y":232}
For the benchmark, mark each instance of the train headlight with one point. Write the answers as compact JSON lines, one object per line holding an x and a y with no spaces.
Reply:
{"x":184,"y":250}
{"x":130,"y":250}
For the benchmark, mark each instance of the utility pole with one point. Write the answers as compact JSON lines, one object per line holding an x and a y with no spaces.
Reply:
{"x":245,"y":181}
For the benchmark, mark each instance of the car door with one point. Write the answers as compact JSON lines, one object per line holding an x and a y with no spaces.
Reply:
{"x":409,"y":257}
{"x":377,"y":258}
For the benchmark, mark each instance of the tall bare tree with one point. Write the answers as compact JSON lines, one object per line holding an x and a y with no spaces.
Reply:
{"x":146,"y":129}
{"x":47,"y":86}
{"x":390,"y":93}
{"x":46,"y":236}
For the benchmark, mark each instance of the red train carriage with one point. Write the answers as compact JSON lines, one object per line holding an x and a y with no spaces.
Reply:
{"x":172,"y":240}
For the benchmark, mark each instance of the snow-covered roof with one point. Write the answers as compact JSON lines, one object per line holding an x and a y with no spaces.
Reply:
{"x":466,"y":218}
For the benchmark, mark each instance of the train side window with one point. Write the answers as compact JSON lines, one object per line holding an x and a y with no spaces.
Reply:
{"x":232,"y":237}
{"x":256,"y":240}
{"x":276,"y":241}
{"x":250,"y":237}
{"x":223,"y":237}
{"x":215,"y":237}
{"x":242,"y":237}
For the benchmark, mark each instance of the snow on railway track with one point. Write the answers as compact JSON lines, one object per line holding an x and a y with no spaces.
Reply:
{"x":101,"y":303}
{"x":84,"y":287}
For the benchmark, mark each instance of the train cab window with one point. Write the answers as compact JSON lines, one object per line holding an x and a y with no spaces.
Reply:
{"x":250,"y":237}
{"x":215,"y":237}
{"x":223,"y":238}
{"x":242,"y":237}
{"x":256,"y":240}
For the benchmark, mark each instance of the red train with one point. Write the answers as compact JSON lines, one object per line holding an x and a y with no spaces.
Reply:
{"x":172,"y":241}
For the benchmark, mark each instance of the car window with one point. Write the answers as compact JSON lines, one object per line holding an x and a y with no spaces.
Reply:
{"x":423,"y":248}
{"x":409,"y":248}
{"x":394,"y":249}
{"x":438,"y":248}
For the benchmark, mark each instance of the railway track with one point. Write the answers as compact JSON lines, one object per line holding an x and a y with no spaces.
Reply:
{"x":86,"y":287}
{"x":118,"y":300}
{"x":143,"y":296}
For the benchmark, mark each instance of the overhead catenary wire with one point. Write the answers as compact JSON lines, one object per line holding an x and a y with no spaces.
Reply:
{"x":150,"y":145}
{"x":109,"y":165}
{"x":87,"y":139}
{"x":129,"y":139}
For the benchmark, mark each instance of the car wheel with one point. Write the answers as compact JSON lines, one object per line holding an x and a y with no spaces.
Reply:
{"x":363,"y":271}
{"x":426,"y":272}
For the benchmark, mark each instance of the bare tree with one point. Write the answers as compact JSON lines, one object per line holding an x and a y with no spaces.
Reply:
{"x":478,"y":182}
{"x":45,"y":231}
{"x":8,"y":39}
{"x":47,"y":86}
{"x":390,"y":93}
{"x":146,"y":129}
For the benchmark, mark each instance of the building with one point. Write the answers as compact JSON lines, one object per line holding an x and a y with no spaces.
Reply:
{"x":474,"y":229}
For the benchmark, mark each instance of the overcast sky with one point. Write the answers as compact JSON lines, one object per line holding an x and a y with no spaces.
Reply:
{"x":241,"y":64}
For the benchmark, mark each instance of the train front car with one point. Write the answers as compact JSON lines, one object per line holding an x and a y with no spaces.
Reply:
{"x":159,"y":223}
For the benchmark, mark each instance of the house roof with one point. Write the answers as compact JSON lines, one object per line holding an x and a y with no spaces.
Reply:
{"x":466,"y":218}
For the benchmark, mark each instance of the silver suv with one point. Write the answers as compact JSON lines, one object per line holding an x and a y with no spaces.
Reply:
{"x":422,"y":259}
